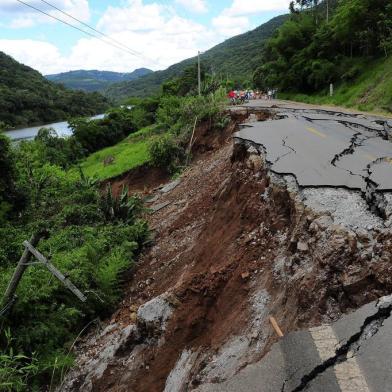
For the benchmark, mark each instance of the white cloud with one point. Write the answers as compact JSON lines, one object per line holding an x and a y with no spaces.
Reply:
{"x":135,"y":16}
{"x":156,"y":31}
{"x":231,"y":25}
{"x":249,"y":7}
{"x":22,"y":16}
{"x":198,"y":6}
{"x":152,"y":29}
{"x":235,"y":19}
{"x":40,"y":55}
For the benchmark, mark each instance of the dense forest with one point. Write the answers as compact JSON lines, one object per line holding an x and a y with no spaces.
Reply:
{"x":95,"y":80}
{"x":329,"y":42}
{"x":235,"y":59}
{"x":27,"y":98}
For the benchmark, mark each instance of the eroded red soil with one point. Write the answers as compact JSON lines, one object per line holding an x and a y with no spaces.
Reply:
{"x":217,"y":241}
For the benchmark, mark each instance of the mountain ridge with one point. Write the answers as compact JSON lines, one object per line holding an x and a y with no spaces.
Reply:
{"x":95,"y":80}
{"x":236,"y":57}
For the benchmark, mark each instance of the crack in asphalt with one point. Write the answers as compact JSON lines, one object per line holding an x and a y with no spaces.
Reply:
{"x":356,"y":141}
{"x":288,"y":153}
{"x":369,"y":328}
{"x":375,"y":200}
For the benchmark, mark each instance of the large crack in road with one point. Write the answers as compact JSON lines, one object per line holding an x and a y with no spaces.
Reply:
{"x":333,"y":152}
{"x":369,"y":328}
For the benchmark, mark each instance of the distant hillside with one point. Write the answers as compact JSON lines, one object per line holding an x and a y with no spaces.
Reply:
{"x":27,"y":98}
{"x":237,"y":57}
{"x":371,"y":91}
{"x":95,"y":80}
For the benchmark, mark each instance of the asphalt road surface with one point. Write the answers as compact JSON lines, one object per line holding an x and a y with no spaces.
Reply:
{"x":351,"y":355}
{"x":325,"y":147}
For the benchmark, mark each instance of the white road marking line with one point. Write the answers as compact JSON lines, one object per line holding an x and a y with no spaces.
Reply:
{"x":348,"y":373}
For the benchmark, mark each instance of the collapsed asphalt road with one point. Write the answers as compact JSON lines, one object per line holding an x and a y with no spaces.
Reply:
{"x":236,"y":243}
{"x":351,"y":355}
{"x":325,"y":148}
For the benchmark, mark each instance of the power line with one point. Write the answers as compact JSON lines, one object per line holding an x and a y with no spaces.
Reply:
{"x":77,"y":28}
{"x":92,"y":28}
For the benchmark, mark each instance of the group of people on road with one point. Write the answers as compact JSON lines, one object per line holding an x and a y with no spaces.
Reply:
{"x":243,"y":96}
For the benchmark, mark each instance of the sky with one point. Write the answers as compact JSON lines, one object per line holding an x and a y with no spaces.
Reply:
{"x":156,"y":33}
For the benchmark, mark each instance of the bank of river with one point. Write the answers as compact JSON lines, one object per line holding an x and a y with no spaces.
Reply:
{"x":61,"y":128}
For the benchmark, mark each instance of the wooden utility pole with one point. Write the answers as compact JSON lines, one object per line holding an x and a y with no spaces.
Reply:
{"x":66,"y":282}
{"x":327,"y":10}
{"x":24,"y":262}
{"x":19,"y":271}
{"x":199,"y":72}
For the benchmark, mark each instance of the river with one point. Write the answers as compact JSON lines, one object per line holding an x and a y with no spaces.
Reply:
{"x":61,"y":128}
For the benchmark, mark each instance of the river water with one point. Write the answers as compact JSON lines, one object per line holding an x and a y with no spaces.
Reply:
{"x":61,"y":128}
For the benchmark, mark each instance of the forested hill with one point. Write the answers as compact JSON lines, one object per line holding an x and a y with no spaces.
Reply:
{"x":27,"y":98}
{"x":350,"y":46}
{"x":95,"y":80}
{"x":237,"y":58}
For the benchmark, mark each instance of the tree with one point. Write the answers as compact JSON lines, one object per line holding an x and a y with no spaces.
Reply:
{"x":7,"y":177}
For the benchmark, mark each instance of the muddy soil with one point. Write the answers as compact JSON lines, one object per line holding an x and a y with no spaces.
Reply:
{"x":232,"y":246}
{"x":141,"y":180}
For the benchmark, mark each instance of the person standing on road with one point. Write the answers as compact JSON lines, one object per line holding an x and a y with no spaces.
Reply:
{"x":232,"y":96}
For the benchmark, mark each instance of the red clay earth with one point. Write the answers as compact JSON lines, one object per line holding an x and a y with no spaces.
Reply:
{"x":214,"y":243}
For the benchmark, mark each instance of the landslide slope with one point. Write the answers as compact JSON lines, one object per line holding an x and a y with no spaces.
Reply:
{"x":233,"y":245}
{"x":237,"y":57}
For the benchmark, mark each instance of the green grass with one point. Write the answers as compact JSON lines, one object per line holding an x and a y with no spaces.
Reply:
{"x":128,"y":154}
{"x":371,"y":92}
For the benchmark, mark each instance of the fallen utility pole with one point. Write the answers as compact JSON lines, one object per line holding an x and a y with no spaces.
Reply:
{"x":67,"y":283}
{"x":24,"y":262}
{"x":19,"y":271}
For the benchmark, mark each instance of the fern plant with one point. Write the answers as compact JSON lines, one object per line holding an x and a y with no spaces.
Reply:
{"x":15,"y":369}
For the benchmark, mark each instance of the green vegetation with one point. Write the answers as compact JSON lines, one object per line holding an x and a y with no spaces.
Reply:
{"x":89,"y":235}
{"x":372,"y":91}
{"x":163,"y":144}
{"x":50,"y":186}
{"x":234,"y":59}
{"x":350,"y":49}
{"x":95,"y":80}
{"x":27,"y":98}
{"x":124,"y":156}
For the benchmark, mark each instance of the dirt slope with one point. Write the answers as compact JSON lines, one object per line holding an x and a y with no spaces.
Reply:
{"x":233,"y":245}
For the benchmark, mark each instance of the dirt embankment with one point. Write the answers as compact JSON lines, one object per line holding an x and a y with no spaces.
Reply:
{"x":233,"y":245}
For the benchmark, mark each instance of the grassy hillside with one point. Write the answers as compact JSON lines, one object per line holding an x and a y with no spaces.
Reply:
{"x":126,"y":155}
{"x":236,"y":57}
{"x":372,"y":91}
{"x":95,"y":80}
{"x":27,"y":98}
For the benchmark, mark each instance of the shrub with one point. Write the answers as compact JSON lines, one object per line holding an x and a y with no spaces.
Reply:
{"x":165,"y":152}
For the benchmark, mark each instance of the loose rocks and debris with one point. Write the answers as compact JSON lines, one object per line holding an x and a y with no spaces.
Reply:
{"x":235,"y":244}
